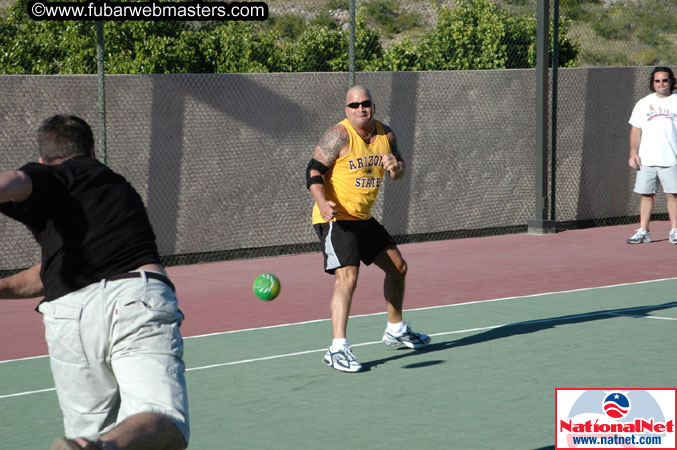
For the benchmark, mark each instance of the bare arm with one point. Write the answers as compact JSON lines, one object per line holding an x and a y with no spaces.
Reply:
{"x":393,"y":162}
{"x":331,"y":146}
{"x":635,"y":137}
{"x":26,"y":284}
{"x":15,"y":186}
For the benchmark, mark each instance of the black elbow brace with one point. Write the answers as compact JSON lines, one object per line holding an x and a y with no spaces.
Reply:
{"x":317,"y":179}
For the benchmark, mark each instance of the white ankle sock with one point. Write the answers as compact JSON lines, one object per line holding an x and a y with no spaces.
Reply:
{"x":338,"y":343}
{"x":395,"y":328}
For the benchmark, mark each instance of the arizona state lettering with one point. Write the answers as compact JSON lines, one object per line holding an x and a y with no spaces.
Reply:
{"x":366,"y":183}
{"x":366,"y":161}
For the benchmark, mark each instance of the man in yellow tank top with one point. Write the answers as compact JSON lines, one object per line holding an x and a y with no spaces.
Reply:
{"x":344,"y":177}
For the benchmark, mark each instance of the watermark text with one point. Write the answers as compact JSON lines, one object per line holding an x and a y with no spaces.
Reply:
{"x":152,"y":10}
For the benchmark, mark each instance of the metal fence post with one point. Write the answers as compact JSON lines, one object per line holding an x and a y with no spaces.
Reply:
{"x":553,"y":111}
{"x":540,"y":225}
{"x":100,"y":55}
{"x":351,"y":45}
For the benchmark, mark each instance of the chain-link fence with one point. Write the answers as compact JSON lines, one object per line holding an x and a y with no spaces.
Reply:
{"x":219,"y":159}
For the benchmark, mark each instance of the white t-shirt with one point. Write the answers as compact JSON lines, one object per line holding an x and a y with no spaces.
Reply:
{"x":657,"y":118}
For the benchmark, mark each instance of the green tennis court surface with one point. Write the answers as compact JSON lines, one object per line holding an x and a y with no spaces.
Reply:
{"x":487,"y":381}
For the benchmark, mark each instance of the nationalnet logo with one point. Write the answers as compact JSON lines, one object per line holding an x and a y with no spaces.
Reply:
{"x":615,"y":418}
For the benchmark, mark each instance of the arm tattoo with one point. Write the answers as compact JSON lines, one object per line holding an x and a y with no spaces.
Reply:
{"x":330,"y":145}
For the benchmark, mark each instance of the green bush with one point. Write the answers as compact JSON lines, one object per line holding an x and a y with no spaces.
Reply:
{"x":30,"y":47}
{"x":475,"y":35}
{"x":479,"y":35}
{"x":577,"y":9}
{"x":325,"y":20}
{"x":151,"y":47}
{"x":468,"y":37}
{"x":237,"y":47}
{"x":287,"y":26}
{"x":319,"y":49}
{"x":384,"y":14}
{"x":401,"y":56}
{"x":338,"y":4}
{"x":136,"y":47}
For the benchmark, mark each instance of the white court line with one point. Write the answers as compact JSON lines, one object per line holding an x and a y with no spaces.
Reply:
{"x":20,"y":394}
{"x":382,"y":313}
{"x":23,"y":359}
{"x":266,"y":358}
{"x":435,"y":307}
{"x":619,"y":312}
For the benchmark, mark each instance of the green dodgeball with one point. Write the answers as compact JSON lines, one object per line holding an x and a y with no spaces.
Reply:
{"x":267,"y":287}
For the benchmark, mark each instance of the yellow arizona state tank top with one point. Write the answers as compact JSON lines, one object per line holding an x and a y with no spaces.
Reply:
{"x":353,"y":181}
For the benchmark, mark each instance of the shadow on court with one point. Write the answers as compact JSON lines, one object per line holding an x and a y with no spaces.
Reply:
{"x":516,"y":329}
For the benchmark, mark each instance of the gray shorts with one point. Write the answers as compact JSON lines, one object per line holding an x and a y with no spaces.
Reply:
{"x":115,"y":351}
{"x":648,"y":177}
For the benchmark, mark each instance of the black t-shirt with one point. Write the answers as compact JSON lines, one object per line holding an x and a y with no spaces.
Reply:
{"x":89,"y":221}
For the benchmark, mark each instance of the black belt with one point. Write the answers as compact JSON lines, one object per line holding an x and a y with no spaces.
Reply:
{"x":153,"y":275}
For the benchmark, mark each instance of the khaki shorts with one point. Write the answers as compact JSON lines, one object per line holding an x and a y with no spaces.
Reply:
{"x":115,"y":351}
{"x":648,"y":177}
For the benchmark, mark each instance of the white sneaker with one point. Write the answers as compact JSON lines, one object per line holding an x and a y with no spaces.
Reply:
{"x":407,"y":338}
{"x":342,"y":359}
{"x":673,"y":236}
{"x":641,"y":235}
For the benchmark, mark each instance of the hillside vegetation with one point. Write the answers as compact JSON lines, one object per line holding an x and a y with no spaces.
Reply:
{"x":306,"y":36}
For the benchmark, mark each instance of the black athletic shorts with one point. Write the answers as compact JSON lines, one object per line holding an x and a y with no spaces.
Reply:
{"x":347,"y":242}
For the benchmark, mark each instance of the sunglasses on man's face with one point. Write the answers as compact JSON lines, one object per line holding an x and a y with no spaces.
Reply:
{"x":355,"y":105}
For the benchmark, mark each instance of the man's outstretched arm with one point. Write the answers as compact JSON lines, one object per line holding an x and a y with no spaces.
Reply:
{"x":25,"y":284}
{"x":15,"y":186}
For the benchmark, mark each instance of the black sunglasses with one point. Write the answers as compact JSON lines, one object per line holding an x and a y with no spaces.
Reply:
{"x":355,"y":105}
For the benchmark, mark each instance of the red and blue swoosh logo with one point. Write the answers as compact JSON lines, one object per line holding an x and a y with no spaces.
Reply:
{"x":616,"y":405}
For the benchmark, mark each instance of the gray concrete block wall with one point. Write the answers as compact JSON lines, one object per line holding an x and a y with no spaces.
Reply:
{"x":220,"y":159}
